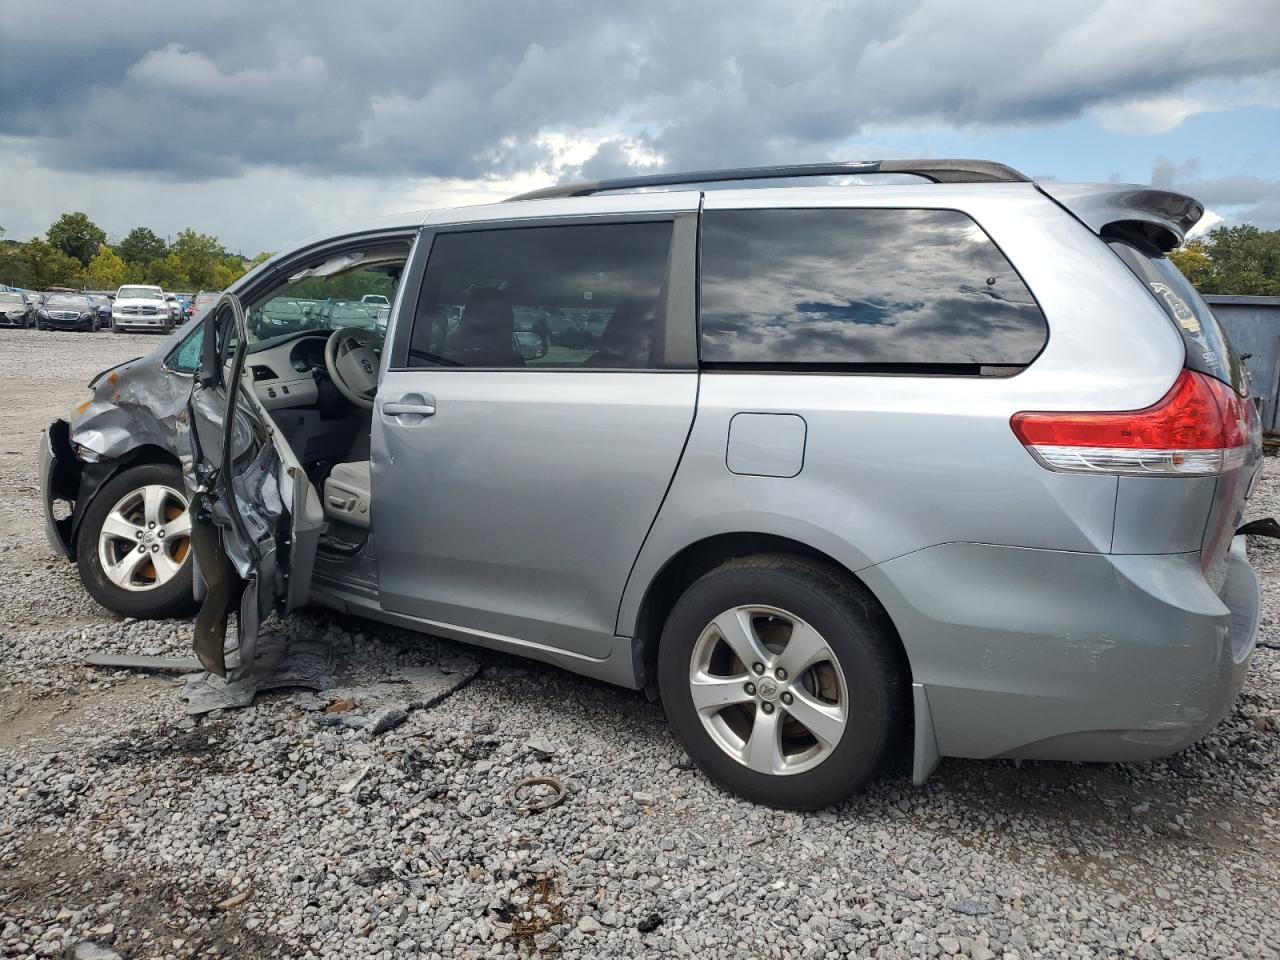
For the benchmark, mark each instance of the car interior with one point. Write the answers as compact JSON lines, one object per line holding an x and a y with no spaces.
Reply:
{"x":313,"y":355}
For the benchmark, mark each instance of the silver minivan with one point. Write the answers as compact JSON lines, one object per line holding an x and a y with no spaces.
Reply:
{"x":954,"y":466}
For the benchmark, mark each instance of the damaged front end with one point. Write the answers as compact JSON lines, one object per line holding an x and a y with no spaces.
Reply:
{"x":137,"y":414}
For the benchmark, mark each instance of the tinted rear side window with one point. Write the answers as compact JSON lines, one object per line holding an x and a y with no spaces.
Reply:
{"x":894,"y":289}
{"x":1208,"y":349}
{"x":564,"y":296}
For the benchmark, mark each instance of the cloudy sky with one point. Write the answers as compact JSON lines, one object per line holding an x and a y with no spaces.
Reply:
{"x":266,"y":122}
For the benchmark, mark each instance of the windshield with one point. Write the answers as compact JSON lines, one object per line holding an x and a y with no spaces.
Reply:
{"x":140,"y":293}
{"x":355,"y":298}
{"x":59,"y":300}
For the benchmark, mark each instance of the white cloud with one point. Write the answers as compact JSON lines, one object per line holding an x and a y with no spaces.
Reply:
{"x":1205,"y":224}
{"x":1148,"y":116}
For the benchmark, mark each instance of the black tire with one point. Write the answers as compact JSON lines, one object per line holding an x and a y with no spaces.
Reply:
{"x":856,"y":630}
{"x":171,"y":599}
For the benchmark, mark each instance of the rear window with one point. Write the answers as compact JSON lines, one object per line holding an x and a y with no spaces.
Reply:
{"x":1208,"y":349}
{"x":889,"y":289}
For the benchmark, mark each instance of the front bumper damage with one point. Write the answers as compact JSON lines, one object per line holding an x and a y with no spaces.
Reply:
{"x":137,"y":414}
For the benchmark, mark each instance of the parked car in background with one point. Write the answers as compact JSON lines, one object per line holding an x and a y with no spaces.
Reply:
{"x":15,"y":310}
{"x":103,"y":303}
{"x":954,"y":469}
{"x":141,"y":307}
{"x":203,"y":301}
{"x":175,"y":309}
{"x":375,"y":300}
{"x":34,"y":299}
{"x":184,"y":304}
{"x":69,"y":311}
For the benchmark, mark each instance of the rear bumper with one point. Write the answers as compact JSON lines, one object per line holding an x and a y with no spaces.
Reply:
{"x":1052,"y":655}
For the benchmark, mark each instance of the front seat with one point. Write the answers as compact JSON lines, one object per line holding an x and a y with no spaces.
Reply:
{"x":625,"y":340}
{"x":348,"y":493}
{"x":486,"y":332}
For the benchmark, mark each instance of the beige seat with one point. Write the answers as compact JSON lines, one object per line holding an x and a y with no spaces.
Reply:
{"x":347,"y":493}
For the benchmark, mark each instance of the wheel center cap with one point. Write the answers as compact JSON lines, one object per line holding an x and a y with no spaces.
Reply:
{"x":148,"y":537}
{"x":767,"y":687}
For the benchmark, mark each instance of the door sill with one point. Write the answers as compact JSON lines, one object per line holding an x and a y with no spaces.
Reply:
{"x":348,"y":596}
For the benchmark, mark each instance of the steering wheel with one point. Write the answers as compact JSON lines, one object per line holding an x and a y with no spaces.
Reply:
{"x":353,"y":364}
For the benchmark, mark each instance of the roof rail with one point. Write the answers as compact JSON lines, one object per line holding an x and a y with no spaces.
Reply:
{"x":938,"y":171}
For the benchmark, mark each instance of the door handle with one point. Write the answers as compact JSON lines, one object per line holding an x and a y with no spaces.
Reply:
{"x":420,"y":408}
{"x":408,"y":409}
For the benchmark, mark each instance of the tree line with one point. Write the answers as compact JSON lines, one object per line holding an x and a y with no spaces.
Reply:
{"x":74,"y":252}
{"x":1243,"y":261}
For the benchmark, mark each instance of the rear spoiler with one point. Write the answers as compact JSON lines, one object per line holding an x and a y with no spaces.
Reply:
{"x":1129,"y":211}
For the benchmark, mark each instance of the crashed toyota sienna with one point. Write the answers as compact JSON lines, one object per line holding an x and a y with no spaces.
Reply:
{"x":954,"y":466}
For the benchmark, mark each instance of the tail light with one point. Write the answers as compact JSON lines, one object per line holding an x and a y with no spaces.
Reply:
{"x":1199,"y":428}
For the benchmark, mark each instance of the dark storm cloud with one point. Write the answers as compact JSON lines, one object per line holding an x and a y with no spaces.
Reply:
{"x":190,"y":91}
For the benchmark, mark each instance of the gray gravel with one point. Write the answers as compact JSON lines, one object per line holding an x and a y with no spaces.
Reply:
{"x":130,"y":830}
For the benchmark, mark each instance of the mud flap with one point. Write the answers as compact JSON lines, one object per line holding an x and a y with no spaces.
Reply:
{"x":1261,"y":528}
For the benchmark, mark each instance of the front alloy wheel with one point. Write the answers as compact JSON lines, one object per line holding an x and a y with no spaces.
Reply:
{"x":133,"y":547}
{"x":145,"y":538}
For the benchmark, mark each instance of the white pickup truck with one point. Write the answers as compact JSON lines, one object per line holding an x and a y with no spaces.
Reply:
{"x":141,"y":307}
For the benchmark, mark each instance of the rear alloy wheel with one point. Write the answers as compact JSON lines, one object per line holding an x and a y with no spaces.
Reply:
{"x":134,"y":546}
{"x":779,"y":677}
{"x":769,"y":690}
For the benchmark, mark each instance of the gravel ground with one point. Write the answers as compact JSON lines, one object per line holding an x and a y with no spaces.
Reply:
{"x":262,"y":832}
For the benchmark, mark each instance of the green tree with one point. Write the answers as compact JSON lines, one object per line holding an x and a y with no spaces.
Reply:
{"x":47,"y":266}
{"x":169,"y":272}
{"x":141,"y":246}
{"x":226,"y":273}
{"x":1246,"y":260}
{"x":1194,"y":262}
{"x":200,"y":255}
{"x":106,"y":270}
{"x":1240,"y":260}
{"x":13,"y":265}
{"x":76,"y":236}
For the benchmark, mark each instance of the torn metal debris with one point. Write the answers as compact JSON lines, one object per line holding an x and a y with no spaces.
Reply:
{"x":281,"y":662}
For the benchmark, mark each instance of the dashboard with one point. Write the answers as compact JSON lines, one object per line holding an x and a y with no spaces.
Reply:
{"x":284,"y":374}
{"x":307,"y":355}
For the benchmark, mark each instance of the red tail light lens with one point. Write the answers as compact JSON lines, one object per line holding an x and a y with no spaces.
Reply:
{"x":1199,"y":428}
